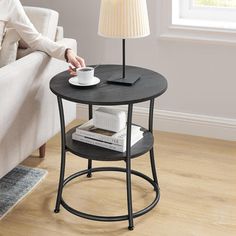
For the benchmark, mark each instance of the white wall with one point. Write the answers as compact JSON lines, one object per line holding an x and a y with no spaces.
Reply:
{"x":201,"y":76}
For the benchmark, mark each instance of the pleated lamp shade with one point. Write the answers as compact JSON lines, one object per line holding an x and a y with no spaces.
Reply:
{"x":123,"y":19}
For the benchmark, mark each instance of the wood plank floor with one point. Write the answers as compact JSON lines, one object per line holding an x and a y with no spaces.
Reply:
{"x":198,"y":193}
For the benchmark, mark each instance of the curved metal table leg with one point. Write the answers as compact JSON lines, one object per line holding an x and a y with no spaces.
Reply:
{"x":153,"y":166}
{"x":89,"y":175}
{"x":63,"y":155}
{"x":128,"y":168}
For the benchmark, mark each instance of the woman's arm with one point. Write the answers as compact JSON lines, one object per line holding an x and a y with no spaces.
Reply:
{"x":20,"y":21}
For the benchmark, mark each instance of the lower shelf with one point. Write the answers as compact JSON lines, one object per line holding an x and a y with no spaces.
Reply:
{"x":92,"y":152}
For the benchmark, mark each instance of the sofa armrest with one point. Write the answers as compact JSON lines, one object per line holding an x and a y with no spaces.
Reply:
{"x":15,"y":81}
{"x":22,"y":77}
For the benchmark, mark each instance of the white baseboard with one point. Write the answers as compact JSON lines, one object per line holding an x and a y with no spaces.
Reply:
{"x":177,"y":122}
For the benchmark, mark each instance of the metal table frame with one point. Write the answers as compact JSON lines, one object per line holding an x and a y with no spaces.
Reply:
{"x":154,"y":182}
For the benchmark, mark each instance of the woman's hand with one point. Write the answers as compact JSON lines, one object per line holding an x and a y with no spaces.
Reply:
{"x":75,"y":61}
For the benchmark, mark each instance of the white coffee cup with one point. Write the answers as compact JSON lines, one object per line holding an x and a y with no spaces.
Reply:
{"x":85,"y":75}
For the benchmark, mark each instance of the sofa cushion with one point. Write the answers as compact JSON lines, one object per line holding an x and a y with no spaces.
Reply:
{"x":2,"y":28}
{"x":59,"y":33}
{"x":9,"y":47}
{"x":44,"y":20}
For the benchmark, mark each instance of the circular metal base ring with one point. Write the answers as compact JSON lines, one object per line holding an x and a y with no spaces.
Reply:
{"x":111,"y":218}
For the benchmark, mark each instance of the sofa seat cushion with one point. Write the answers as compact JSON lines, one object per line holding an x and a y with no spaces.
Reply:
{"x":9,"y":48}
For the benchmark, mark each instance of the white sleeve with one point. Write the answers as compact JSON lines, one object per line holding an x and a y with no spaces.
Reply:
{"x":20,"y":21}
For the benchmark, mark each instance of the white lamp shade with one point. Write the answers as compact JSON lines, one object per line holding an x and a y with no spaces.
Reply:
{"x":123,"y":19}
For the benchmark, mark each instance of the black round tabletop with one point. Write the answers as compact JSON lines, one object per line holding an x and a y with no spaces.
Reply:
{"x":150,"y":85}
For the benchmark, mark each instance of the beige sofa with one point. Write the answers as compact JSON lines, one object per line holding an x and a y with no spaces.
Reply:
{"x":28,"y":110}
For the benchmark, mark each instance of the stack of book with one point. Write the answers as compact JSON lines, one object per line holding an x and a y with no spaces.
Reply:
{"x":116,"y":141}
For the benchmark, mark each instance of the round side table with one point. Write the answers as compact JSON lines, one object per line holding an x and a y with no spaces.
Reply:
{"x":150,"y":85}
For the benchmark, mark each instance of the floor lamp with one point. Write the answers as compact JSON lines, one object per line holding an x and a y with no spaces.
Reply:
{"x":124,"y":19}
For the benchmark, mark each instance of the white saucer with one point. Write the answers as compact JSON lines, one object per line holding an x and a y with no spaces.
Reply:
{"x":74,"y":81}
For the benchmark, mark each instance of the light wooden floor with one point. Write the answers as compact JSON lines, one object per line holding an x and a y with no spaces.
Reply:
{"x":198,"y":193}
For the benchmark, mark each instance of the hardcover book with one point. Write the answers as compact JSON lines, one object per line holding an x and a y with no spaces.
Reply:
{"x":111,"y":146}
{"x":90,"y":131}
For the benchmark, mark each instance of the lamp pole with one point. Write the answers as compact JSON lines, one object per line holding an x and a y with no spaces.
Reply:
{"x":123,"y":56}
{"x":127,"y":77}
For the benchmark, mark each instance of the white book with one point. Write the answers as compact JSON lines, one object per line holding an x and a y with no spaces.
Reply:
{"x":114,"y":147}
{"x":119,"y":138}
